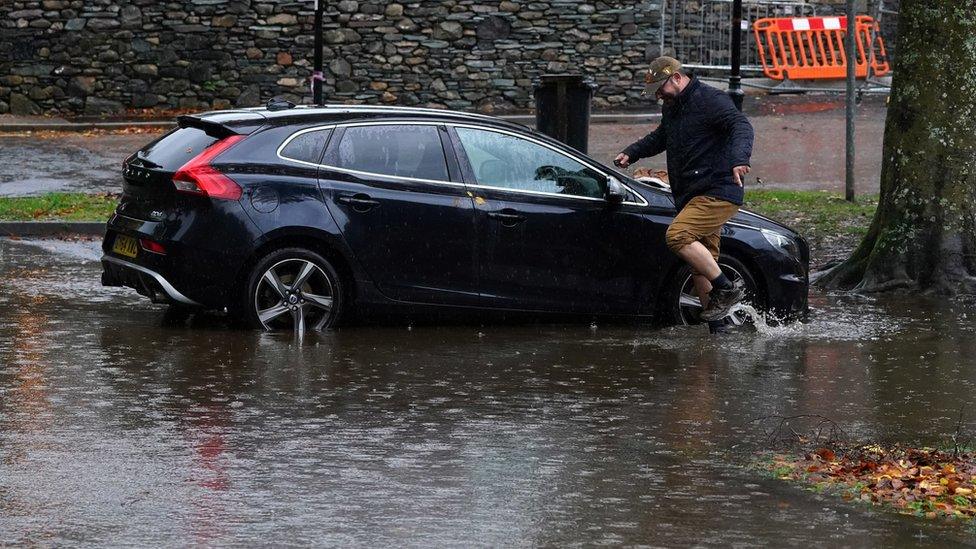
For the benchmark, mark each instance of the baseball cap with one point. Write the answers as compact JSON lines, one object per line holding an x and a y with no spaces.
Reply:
{"x":660,"y":70}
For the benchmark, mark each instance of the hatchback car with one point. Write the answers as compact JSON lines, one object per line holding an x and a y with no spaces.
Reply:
{"x":300,"y":217}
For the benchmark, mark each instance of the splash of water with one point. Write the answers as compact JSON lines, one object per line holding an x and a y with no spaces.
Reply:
{"x":761,"y":321}
{"x":836,"y":321}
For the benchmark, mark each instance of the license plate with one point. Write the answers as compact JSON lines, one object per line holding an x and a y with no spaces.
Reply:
{"x":125,"y":245}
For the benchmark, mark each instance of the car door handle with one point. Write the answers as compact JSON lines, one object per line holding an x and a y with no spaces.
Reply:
{"x":508,"y":218}
{"x":358,"y":202}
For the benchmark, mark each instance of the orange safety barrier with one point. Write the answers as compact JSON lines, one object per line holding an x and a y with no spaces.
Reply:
{"x":813,"y":47}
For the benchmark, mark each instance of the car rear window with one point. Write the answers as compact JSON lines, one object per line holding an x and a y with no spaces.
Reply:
{"x":410,"y":151}
{"x":176,"y":148}
{"x":307,"y":147}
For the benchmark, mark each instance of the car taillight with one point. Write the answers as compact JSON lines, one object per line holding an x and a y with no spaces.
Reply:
{"x":151,"y":246}
{"x":198,"y":177}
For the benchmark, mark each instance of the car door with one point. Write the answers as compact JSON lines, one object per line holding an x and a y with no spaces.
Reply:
{"x":548,"y":239}
{"x":403,"y":210}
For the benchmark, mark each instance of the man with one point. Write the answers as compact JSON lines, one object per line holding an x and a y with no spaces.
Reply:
{"x":709,"y":143}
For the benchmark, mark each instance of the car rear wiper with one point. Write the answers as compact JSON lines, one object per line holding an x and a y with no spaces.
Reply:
{"x":146,"y":163}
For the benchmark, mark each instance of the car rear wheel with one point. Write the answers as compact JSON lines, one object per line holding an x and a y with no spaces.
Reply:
{"x":683,"y":305}
{"x":293,"y":289}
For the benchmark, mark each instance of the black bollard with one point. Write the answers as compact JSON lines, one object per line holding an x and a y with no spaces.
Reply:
{"x":562,"y":108}
{"x":735,"y":77}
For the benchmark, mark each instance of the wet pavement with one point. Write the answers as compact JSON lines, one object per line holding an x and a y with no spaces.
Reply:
{"x":120,"y":425}
{"x":799,"y":145}
{"x":64,"y":162}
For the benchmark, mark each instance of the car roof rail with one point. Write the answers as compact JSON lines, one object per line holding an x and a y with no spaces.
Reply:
{"x":279,"y":105}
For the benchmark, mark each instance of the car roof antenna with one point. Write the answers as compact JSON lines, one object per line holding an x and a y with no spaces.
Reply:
{"x":279,"y":105}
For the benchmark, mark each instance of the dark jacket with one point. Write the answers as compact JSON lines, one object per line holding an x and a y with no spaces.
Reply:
{"x":705,"y":137}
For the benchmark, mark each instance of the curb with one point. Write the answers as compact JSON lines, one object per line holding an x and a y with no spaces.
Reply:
{"x":526,"y":119}
{"x":51,"y":228}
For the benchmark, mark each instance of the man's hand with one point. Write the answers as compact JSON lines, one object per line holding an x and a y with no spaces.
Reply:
{"x":622,"y":161}
{"x":738,"y":173}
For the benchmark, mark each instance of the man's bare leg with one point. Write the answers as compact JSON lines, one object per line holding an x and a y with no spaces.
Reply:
{"x":702,"y":287}
{"x":700,"y":259}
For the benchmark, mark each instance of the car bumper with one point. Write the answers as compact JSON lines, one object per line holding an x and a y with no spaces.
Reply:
{"x":787,"y":281}
{"x":201,"y":263}
{"x":787,"y":296}
{"x":119,"y":272}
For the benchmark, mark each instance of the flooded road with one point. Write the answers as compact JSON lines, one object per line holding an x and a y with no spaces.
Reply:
{"x":120,"y":426}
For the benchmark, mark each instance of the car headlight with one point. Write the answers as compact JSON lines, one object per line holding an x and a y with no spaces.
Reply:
{"x":781,"y":242}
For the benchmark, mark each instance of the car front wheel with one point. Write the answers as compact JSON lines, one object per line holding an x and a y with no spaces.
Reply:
{"x":683,"y":305}
{"x":293,"y":289}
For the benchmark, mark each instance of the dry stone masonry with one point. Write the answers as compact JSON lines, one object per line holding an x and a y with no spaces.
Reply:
{"x":110,"y":56}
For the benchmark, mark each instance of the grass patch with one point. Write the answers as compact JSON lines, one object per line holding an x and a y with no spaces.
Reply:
{"x":819,"y":211}
{"x":58,"y":207}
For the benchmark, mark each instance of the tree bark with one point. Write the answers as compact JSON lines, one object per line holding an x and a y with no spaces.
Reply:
{"x":923,"y":236}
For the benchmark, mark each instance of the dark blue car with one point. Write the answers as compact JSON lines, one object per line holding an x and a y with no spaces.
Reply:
{"x":301,"y":217}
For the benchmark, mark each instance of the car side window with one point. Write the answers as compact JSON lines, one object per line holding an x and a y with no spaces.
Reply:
{"x":410,"y":151}
{"x":506,"y":161}
{"x":307,"y":147}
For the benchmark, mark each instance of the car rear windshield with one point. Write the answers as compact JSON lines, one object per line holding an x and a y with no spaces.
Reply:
{"x":176,"y":148}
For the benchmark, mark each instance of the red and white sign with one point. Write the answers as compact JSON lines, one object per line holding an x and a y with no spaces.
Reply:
{"x":812,"y":23}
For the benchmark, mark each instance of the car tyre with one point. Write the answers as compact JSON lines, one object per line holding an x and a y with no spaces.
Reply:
{"x":293,"y":289}
{"x":681,"y":305}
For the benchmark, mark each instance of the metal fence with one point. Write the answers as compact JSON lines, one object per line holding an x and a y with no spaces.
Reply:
{"x":698,"y":32}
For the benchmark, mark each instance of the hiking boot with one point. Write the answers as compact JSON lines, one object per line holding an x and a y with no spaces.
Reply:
{"x":721,"y":301}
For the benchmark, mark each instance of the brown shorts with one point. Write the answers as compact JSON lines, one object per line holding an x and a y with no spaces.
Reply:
{"x":700,"y":220}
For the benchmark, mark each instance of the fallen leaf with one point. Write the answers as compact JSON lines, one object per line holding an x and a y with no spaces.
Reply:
{"x":826,"y":454}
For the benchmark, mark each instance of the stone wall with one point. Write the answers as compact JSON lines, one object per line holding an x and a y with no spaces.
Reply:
{"x":109,"y":56}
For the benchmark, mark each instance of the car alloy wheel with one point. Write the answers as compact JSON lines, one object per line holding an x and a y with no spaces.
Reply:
{"x":295,"y":293}
{"x":689,"y":306}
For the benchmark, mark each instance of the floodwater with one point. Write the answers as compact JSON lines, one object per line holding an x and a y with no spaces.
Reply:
{"x":119,"y":426}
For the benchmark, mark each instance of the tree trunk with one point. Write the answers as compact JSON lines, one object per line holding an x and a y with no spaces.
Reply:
{"x":923,"y":236}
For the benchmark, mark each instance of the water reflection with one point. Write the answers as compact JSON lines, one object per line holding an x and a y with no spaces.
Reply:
{"x":116,"y":423}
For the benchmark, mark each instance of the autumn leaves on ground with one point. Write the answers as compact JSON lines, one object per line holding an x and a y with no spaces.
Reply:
{"x":922,"y":482}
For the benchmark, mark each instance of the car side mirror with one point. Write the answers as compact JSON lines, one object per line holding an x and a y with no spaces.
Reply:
{"x":615,"y":192}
